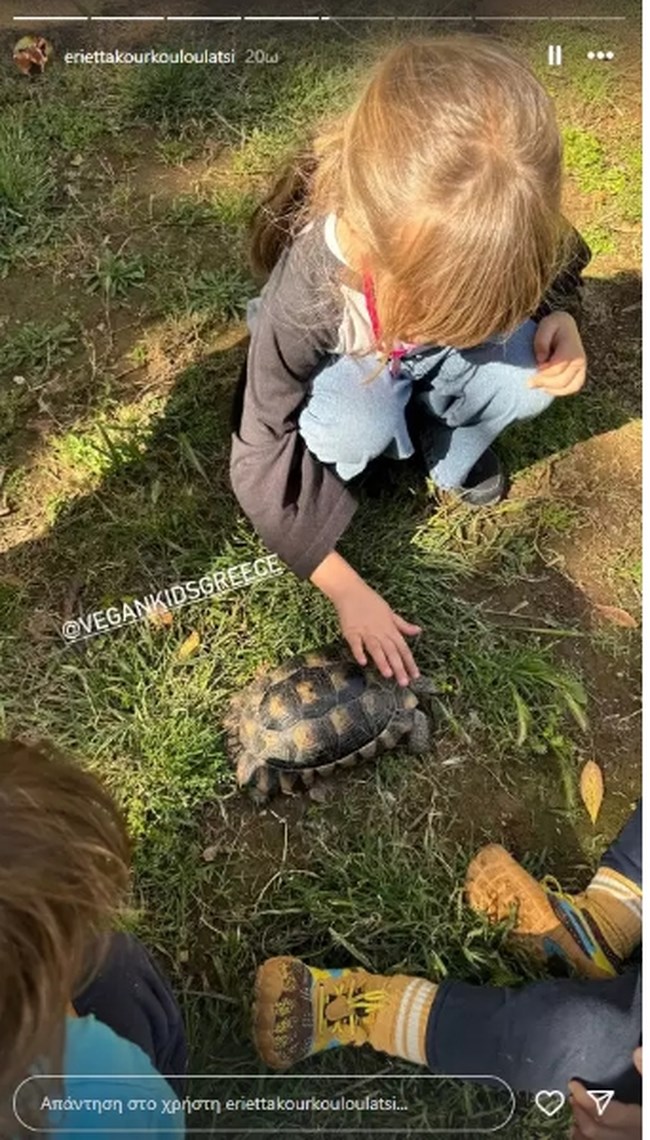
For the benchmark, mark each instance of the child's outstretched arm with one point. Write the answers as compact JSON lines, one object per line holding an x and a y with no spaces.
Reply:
{"x":368,"y":623}
{"x":298,"y":505}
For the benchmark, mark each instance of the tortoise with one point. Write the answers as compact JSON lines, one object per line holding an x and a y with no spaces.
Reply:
{"x":318,"y":712}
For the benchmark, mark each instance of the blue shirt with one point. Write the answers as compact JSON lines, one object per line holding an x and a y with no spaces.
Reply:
{"x":99,"y":1066}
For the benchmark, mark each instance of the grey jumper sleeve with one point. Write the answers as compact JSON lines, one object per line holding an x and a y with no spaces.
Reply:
{"x":298,"y":506}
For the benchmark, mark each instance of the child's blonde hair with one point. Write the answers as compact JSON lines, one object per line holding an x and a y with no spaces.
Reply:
{"x":447,"y":170}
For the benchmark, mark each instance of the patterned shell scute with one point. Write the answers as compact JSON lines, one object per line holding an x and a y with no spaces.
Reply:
{"x":321,"y":712}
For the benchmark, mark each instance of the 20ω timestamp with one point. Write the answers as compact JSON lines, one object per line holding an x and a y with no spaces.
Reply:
{"x":259,"y":55}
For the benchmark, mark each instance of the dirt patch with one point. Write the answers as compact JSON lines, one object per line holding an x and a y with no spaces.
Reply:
{"x":601,"y":480}
{"x":612,"y":335}
{"x":581,"y":570}
{"x":549,"y":599}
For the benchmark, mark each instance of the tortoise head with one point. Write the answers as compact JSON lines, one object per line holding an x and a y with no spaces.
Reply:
{"x":425,"y":687}
{"x":255,"y":775}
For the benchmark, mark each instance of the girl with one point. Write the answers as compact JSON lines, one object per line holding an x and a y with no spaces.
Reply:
{"x":418,"y":258}
{"x":74,"y":999}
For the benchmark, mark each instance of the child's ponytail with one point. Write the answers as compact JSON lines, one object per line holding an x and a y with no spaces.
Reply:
{"x":309,"y":183}
{"x":280,"y":214}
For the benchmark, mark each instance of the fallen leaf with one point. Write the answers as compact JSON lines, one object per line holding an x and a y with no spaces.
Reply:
{"x":160,"y":616}
{"x":617,"y":616}
{"x":189,"y":646}
{"x":592,"y":788}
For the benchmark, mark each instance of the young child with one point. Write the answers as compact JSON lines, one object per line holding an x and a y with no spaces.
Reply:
{"x":418,"y":258}
{"x":75,"y":999}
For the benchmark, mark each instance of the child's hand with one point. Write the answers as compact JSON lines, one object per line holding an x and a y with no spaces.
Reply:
{"x":560,"y":356}
{"x":618,"y":1122}
{"x":369,"y":625}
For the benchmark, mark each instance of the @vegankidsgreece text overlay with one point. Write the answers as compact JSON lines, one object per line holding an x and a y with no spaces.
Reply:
{"x":171,"y":598}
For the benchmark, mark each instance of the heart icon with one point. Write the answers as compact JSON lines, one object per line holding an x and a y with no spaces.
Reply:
{"x":550,"y":1102}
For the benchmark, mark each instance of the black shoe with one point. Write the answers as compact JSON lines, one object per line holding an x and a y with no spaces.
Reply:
{"x":486,"y":483}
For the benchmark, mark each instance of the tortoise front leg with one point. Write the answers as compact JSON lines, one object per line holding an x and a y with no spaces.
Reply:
{"x":419,"y":738}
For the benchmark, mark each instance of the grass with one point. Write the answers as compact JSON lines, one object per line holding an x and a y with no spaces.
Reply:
{"x":127,"y":192}
{"x":28,"y":356}
{"x":226,"y":208}
{"x":114,"y":274}
{"x":27,"y":185}
{"x":36,"y":348}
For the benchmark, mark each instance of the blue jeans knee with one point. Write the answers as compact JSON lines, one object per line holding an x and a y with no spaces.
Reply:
{"x":355,"y":412}
{"x":506,"y":371}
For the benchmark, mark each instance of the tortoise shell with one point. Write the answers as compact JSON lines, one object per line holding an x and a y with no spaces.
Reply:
{"x":315,"y":713}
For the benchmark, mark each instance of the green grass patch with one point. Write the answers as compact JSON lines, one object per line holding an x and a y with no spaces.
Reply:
{"x":28,"y":355}
{"x":600,"y":239}
{"x":112,"y":442}
{"x":221,"y":292}
{"x":586,"y":159}
{"x":567,"y":421}
{"x":114,"y":274}
{"x":228,"y":208}
{"x":27,"y":183}
{"x":35,"y":348}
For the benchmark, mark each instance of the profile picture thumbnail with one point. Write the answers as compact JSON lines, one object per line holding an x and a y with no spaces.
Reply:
{"x":32,"y":54}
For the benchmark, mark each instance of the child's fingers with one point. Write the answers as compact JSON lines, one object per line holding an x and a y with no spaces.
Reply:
{"x":569,"y":380}
{"x":576,"y":384}
{"x":397,"y":662}
{"x":392,"y":651}
{"x":573,"y":383}
{"x":580,"y":1097}
{"x":543,"y":379}
{"x":554,"y":369}
{"x":617,"y":1118}
{"x":356,"y":645}
{"x":585,"y":1127}
{"x":407,"y":627}
{"x":376,"y":650}
{"x":409,"y":669}
{"x":555,"y":366}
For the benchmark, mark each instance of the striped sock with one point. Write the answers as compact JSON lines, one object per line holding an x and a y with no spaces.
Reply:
{"x":401,"y":1027}
{"x":612,"y":903}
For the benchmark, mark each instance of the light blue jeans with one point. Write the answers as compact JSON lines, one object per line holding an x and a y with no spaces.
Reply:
{"x":354,"y":414}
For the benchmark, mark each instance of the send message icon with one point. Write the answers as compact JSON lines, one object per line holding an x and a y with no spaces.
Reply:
{"x":601,"y":1098}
